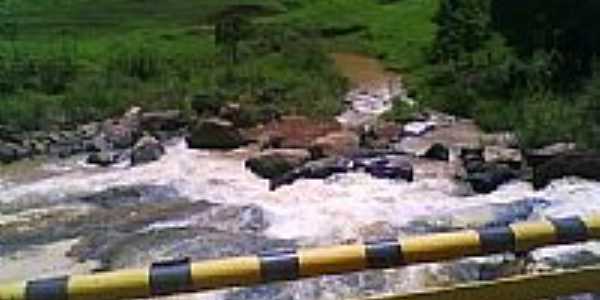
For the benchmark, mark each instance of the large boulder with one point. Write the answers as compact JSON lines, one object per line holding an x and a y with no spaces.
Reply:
{"x":487,"y":177}
{"x":168,"y":120}
{"x":341,"y":143}
{"x":391,"y":168}
{"x":296,"y":131}
{"x":509,"y":156}
{"x":10,"y":152}
{"x":275,"y":163}
{"x":215,"y":134}
{"x":538,"y":157}
{"x":419,"y":128}
{"x":319,"y":169}
{"x":147,"y":149}
{"x":578,"y":164}
{"x":122,"y":133}
{"x":103,"y":159}
{"x":438,"y":151}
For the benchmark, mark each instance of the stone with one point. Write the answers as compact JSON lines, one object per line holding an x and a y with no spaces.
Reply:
{"x":584,"y":165}
{"x":342,"y":143}
{"x":319,"y":169}
{"x":487,"y":177}
{"x":10,"y":152}
{"x":275,"y":163}
{"x":147,"y":149}
{"x":215,"y":134}
{"x":438,"y":151}
{"x":103,"y":159}
{"x":297,"y":131}
{"x":391,"y":169}
{"x":418,"y":128}
{"x":508,"y":156}
{"x":168,"y":120}
{"x":537,"y":157}
{"x":501,"y":139}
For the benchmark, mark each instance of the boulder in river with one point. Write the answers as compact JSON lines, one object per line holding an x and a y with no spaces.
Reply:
{"x":487,"y":177}
{"x":103,"y":158}
{"x":537,"y":157}
{"x":391,"y":169}
{"x":215,"y":134}
{"x":10,"y":152}
{"x":418,"y":128}
{"x":438,"y":151}
{"x":147,"y":149}
{"x":297,"y":132}
{"x":341,"y":143}
{"x":319,"y":169}
{"x":509,"y":156}
{"x":578,"y":164}
{"x":275,"y":163}
{"x":168,"y":120}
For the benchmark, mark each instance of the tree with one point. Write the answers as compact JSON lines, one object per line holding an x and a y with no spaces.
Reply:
{"x":463,"y":28}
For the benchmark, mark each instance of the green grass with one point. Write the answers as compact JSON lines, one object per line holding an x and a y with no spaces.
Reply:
{"x":78,"y":60}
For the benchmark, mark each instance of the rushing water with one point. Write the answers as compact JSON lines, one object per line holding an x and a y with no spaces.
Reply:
{"x":66,"y":217}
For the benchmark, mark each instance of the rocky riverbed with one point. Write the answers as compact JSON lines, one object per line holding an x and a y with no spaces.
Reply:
{"x":67,"y":216}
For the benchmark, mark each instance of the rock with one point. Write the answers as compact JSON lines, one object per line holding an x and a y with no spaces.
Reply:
{"x":419,"y":128}
{"x":319,"y":169}
{"x":487,"y":177}
{"x":103,"y":159}
{"x":10,"y":152}
{"x":119,"y":135}
{"x":342,"y":143}
{"x":381,"y":136}
{"x":88,"y":131}
{"x":215,"y":134}
{"x":98,"y":143}
{"x":577,"y":164}
{"x":275,"y":163}
{"x":298,"y":132}
{"x":147,"y":149}
{"x":497,"y":154}
{"x":169,"y":120}
{"x":537,"y":157}
{"x":501,"y":139}
{"x":438,"y":151}
{"x":391,"y":169}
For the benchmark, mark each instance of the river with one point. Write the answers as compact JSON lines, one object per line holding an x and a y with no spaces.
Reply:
{"x":65,"y":217}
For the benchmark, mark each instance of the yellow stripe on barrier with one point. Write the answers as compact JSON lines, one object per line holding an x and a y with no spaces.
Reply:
{"x":183,"y":276}
{"x":593,"y":226}
{"x":13,"y":291}
{"x":529,"y":287}
{"x":333,"y":260}
{"x":241,"y":271}
{"x":115,"y":285}
{"x":534,"y":234}
{"x":442,"y":246}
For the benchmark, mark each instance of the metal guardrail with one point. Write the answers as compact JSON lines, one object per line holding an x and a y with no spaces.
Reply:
{"x":184,"y":276}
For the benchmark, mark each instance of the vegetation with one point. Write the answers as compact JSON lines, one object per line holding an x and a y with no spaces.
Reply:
{"x":530,"y":68}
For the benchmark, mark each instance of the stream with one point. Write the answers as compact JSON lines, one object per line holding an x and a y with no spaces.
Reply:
{"x":61,"y":217}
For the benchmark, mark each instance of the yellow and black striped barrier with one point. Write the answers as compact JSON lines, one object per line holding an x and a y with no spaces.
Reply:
{"x":184,"y":276}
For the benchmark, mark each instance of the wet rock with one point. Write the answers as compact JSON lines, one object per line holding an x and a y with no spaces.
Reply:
{"x":496,"y":154}
{"x":480,"y":216}
{"x":88,"y":131}
{"x":438,"y":152}
{"x":215,"y":134}
{"x":418,"y":128}
{"x":395,"y":168}
{"x":297,"y":132}
{"x":501,"y":139}
{"x":10,"y":152}
{"x":147,"y":149}
{"x":121,"y":196}
{"x":537,"y":157}
{"x":319,"y":169}
{"x":169,"y":120}
{"x":585,"y":165}
{"x":381,"y":136}
{"x":275,"y":163}
{"x":103,"y":159}
{"x":487,"y":177}
{"x":120,"y":136}
{"x":342,"y":143}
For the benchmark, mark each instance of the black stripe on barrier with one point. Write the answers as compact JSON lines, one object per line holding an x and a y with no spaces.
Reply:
{"x":387,"y":254}
{"x":497,"y":240}
{"x":55,"y":289}
{"x":570,"y":230}
{"x":277,"y":266}
{"x":170,"y":277}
